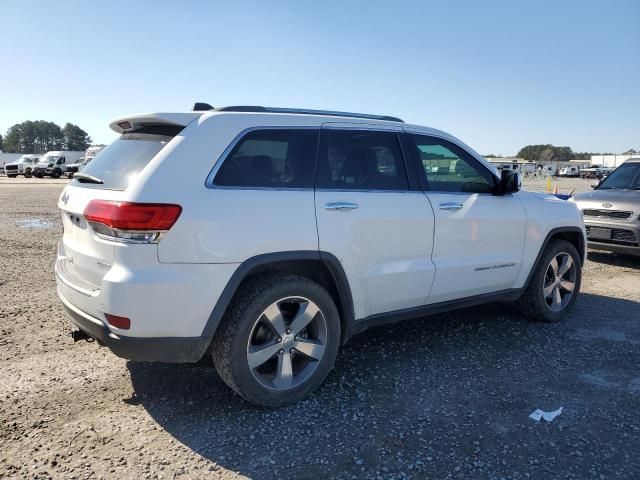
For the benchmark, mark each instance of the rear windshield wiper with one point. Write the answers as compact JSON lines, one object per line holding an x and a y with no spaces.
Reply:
{"x":84,"y":178}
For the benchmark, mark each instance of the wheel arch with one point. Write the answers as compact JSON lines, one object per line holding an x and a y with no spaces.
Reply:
{"x":321,"y":267}
{"x":573,"y":235}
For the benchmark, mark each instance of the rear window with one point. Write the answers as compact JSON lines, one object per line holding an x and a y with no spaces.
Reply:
{"x":119,"y":163}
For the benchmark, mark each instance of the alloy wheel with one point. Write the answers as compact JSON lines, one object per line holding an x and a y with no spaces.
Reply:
{"x":559,"y":281}
{"x":287,"y":343}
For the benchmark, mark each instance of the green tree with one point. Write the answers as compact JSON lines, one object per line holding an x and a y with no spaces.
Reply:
{"x":546,"y":153}
{"x":34,"y":137}
{"x":12,"y":139}
{"x":0,"y":142}
{"x":75,"y":138}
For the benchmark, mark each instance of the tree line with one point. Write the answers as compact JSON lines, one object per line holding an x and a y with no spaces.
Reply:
{"x":551,"y":153}
{"x":41,"y":136}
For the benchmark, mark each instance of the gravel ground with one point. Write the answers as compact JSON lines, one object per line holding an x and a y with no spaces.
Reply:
{"x":444,"y":397}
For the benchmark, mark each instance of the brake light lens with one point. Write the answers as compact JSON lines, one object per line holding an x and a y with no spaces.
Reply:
{"x":131,"y":222}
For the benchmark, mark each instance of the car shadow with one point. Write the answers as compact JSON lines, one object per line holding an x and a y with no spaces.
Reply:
{"x":614,"y":259}
{"x":396,"y":394}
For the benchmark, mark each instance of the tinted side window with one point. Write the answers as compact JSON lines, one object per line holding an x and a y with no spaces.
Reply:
{"x":449,"y":168}
{"x":361,"y":160}
{"x":271,"y":158}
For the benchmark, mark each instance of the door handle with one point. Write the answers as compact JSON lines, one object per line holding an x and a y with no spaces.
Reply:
{"x":450,"y":206}
{"x":340,"y":206}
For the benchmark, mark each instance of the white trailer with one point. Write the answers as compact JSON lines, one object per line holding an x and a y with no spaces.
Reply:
{"x":550,"y":169}
{"x":570,"y":171}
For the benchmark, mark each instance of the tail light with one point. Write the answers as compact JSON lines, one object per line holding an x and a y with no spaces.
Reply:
{"x":131,"y":222}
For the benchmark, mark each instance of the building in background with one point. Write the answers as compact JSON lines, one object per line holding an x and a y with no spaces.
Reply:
{"x":613,"y":161}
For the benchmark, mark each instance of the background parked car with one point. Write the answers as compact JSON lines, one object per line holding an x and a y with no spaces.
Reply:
{"x":73,"y":168}
{"x":23,"y":166}
{"x":592,"y":172}
{"x":54,"y":163}
{"x":611,"y":212}
{"x":89,"y":154}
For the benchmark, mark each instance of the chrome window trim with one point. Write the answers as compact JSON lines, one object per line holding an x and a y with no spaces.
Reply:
{"x":354,"y":190}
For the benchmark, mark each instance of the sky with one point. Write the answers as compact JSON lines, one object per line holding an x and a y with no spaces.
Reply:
{"x":497,"y":74}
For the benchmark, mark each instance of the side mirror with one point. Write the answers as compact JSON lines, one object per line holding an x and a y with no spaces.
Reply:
{"x":509,"y":182}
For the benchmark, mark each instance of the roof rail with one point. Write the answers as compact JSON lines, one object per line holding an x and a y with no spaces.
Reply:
{"x":304,"y":111}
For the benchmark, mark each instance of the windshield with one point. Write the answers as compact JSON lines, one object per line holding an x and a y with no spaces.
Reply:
{"x":25,"y":160}
{"x":118,"y":164}
{"x":49,"y":159}
{"x":626,"y":175}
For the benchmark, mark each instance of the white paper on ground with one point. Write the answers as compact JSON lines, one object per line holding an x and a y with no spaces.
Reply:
{"x":548,"y":416}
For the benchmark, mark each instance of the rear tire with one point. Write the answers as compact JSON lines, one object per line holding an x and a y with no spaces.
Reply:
{"x":278,"y":339}
{"x":56,"y":174}
{"x":554,"y":285}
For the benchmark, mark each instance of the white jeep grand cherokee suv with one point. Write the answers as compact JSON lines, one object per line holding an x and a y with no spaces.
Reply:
{"x":267,"y":237}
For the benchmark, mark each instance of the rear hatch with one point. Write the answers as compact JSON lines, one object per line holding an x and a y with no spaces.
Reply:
{"x":84,"y":257}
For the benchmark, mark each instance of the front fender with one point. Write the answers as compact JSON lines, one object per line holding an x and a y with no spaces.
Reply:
{"x":547,"y":216}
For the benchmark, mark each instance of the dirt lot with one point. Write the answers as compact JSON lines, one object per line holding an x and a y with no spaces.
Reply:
{"x":444,"y":397}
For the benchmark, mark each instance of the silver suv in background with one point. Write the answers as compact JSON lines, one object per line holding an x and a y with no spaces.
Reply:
{"x":612,"y":211}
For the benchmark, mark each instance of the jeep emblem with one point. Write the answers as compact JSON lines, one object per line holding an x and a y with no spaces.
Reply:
{"x":607,"y":205}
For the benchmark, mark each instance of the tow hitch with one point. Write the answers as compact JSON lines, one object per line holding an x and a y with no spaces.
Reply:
{"x":78,"y":335}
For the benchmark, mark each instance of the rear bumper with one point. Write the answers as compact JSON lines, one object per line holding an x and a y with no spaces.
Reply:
{"x":150,"y":349}
{"x":169,"y":304}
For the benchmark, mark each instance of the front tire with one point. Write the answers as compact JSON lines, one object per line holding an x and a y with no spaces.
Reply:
{"x":278,"y":339}
{"x":554,"y":285}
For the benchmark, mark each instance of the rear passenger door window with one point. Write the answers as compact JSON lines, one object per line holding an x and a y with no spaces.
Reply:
{"x":448,"y":168}
{"x":271,"y":158}
{"x":361,"y":160}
